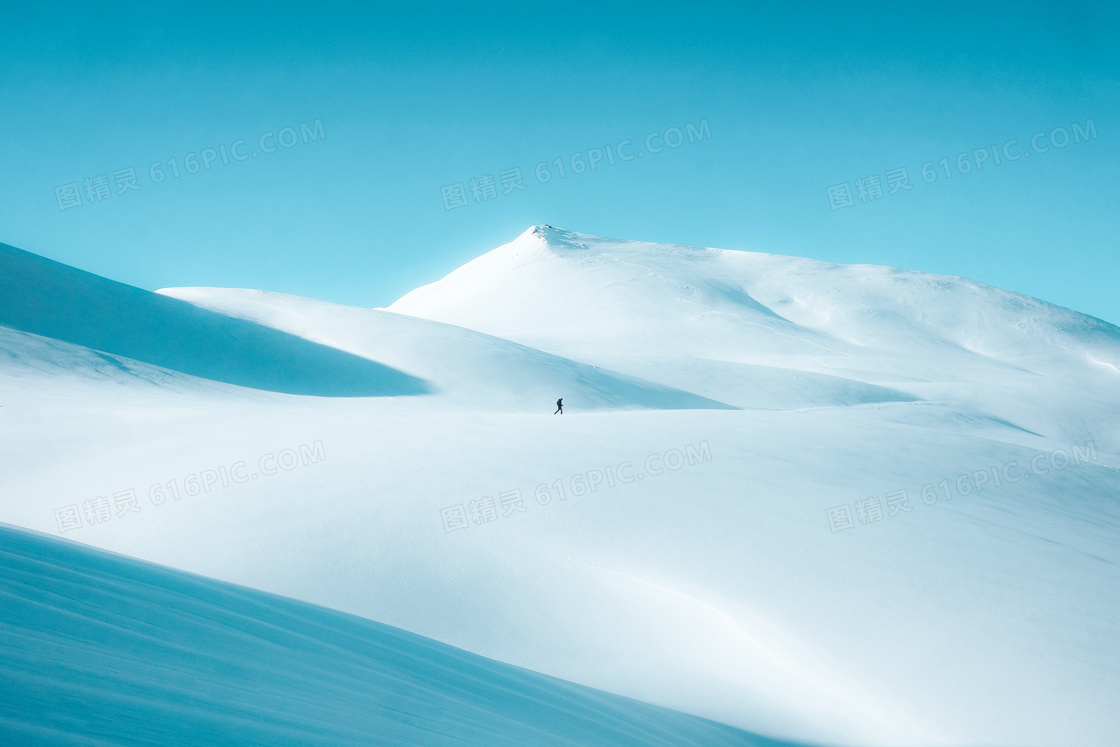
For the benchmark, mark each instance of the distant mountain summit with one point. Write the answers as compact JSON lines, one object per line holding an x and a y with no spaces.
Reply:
{"x":549,"y":282}
{"x":740,"y":326}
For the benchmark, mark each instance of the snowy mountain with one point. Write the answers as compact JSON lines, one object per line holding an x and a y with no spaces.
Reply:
{"x":831,"y":504}
{"x":710,"y":317}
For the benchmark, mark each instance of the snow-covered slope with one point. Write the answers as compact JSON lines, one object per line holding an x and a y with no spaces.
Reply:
{"x":558,"y":288}
{"x":467,"y":368}
{"x":100,"y":649}
{"x":60,"y":321}
{"x":978,"y":610}
{"x":711,"y":317}
{"x":52,"y":300}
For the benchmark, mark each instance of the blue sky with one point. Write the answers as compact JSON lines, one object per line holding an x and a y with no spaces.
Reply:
{"x":413,"y":100}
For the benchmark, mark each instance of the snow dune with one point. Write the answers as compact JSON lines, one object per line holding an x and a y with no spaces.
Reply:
{"x":100,"y":649}
{"x":469,"y":369}
{"x":52,"y":300}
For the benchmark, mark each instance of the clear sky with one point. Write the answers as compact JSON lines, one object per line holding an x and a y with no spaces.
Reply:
{"x":785,"y":103}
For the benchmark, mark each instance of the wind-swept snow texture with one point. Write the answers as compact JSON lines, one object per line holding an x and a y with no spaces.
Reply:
{"x":971,"y":434}
{"x":100,"y":649}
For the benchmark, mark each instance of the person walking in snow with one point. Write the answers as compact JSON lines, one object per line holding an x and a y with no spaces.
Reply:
{"x":559,"y":406}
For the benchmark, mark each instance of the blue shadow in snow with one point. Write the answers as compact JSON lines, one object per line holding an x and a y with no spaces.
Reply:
{"x":101,"y":647}
{"x":50,"y":299}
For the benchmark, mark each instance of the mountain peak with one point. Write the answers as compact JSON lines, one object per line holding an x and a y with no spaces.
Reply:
{"x":582,"y":296}
{"x":541,"y":230}
{"x":554,"y":237}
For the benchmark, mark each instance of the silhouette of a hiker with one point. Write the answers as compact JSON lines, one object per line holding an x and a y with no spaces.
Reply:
{"x":559,"y":406}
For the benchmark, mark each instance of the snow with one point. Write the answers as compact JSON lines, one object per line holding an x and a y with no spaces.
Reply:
{"x":469,"y":368}
{"x":51,"y":300}
{"x":630,"y":305}
{"x":717,"y":588}
{"x":103,"y":649}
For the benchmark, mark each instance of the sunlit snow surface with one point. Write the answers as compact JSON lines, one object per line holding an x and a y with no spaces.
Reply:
{"x":103,"y":649}
{"x":718,"y":588}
